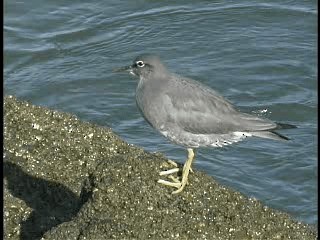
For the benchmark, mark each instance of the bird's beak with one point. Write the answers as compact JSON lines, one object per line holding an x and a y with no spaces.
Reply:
{"x":125,"y":69}
{"x":122,"y":69}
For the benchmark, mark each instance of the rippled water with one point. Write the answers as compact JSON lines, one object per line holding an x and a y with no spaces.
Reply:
{"x":261,"y":55}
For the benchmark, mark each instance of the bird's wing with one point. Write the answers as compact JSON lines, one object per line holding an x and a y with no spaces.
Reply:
{"x":201,"y":110}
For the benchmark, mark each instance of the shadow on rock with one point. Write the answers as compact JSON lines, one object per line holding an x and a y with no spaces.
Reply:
{"x":52,"y":203}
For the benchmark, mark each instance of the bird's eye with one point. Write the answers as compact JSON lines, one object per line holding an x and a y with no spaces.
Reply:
{"x":140,"y":64}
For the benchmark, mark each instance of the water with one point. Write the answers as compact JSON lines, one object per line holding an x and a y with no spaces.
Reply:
{"x":261,"y":55}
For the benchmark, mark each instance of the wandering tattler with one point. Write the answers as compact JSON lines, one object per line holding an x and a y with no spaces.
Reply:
{"x":191,"y":114}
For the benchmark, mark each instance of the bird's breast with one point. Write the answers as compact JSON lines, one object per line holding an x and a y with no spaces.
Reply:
{"x":151,"y":105}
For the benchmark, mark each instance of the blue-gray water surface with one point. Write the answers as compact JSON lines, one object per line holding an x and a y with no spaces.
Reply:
{"x":261,"y":55}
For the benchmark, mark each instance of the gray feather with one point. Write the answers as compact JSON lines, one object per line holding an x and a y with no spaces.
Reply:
{"x":205,"y":111}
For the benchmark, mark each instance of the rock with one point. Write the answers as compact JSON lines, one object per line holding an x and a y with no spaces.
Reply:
{"x":67,"y":179}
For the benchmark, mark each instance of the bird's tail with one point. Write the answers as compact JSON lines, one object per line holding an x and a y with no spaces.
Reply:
{"x":284,"y":126}
{"x":271,"y":134}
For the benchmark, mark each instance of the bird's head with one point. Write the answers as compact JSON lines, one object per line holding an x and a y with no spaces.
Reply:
{"x":145,"y":67}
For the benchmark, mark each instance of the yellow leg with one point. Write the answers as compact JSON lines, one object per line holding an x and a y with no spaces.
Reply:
{"x":185,"y":172}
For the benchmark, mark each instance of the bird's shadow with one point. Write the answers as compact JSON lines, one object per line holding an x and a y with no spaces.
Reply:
{"x":52,"y":202}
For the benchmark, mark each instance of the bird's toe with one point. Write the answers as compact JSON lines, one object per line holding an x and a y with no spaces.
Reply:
{"x":176,"y":183}
{"x":170,"y":171}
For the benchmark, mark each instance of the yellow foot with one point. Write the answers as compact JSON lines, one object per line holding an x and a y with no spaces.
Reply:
{"x":170,"y":171}
{"x":170,"y":184}
{"x":175,"y":183}
{"x":185,"y":172}
{"x":173,"y":170}
{"x":181,"y":187}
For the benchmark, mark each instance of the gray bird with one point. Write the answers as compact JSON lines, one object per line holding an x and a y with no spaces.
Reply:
{"x":191,"y":114}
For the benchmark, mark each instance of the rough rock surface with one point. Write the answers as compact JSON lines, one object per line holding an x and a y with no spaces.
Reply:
{"x":67,"y":179}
